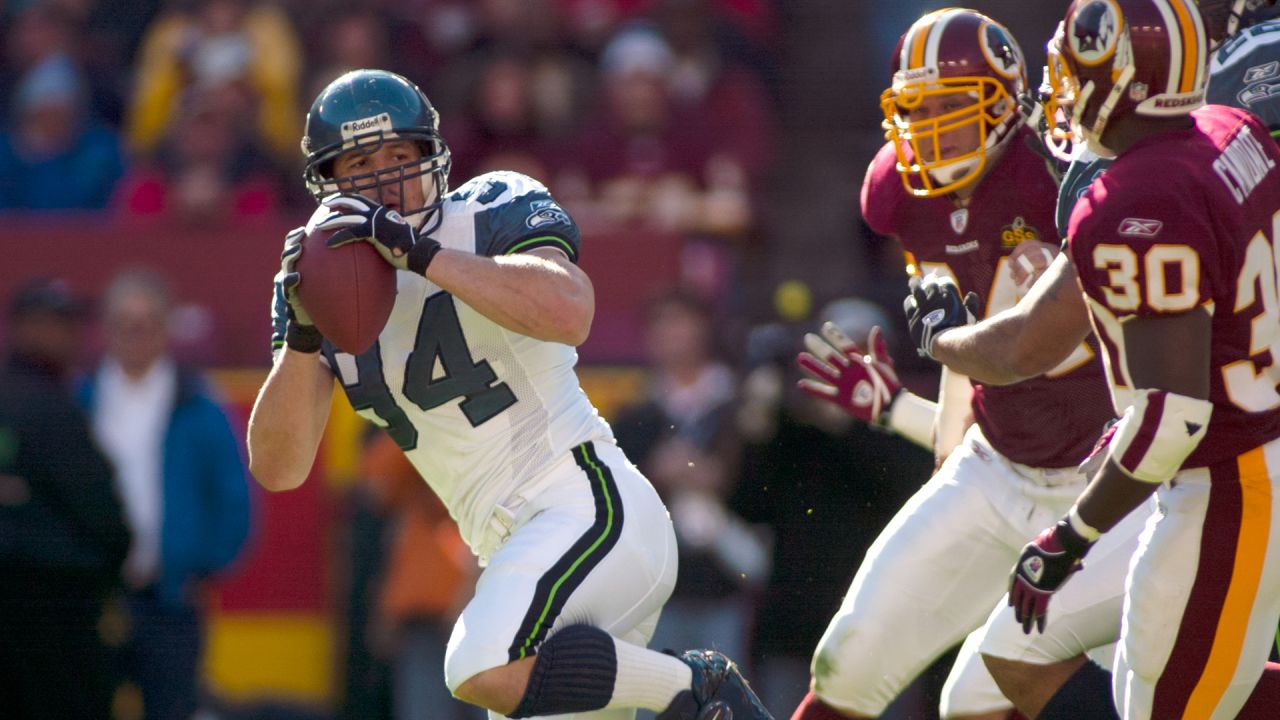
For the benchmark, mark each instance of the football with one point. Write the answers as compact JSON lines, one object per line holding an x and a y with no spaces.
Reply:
{"x":348,"y":291}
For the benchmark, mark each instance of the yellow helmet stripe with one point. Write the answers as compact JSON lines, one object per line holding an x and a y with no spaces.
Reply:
{"x":1191,"y":31}
{"x":920,"y":39}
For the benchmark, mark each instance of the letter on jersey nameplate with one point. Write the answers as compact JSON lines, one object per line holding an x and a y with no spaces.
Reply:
{"x":1243,"y":164}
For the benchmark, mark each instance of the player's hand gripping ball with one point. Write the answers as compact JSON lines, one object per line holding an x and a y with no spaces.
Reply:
{"x":348,"y":291}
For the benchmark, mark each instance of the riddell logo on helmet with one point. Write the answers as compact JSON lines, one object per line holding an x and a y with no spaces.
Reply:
{"x":915,"y":75}
{"x":352,"y":128}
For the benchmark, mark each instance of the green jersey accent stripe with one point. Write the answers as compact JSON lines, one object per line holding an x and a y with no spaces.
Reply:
{"x":608,"y":528}
{"x":545,"y":239}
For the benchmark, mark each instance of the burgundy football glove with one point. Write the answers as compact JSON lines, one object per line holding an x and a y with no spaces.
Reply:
{"x":1046,"y":564}
{"x":862,"y":385}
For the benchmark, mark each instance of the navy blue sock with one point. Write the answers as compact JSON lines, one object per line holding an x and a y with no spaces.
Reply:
{"x":574,"y":672}
{"x":1086,"y":695}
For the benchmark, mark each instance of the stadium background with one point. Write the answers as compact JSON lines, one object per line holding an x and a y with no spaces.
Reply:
{"x":794,"y":87}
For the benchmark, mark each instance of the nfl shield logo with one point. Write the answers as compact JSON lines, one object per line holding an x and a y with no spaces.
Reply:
{"x":960,"y":220}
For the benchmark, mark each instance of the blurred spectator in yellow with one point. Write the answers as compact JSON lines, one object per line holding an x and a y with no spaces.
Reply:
{"x":427,"y":579}
{"x":53,"y":154}
{"x":182,"y":477}
{"x":209,"y":169}
{"x":246,"y":52}
{"x":643,"y":159}
{"x":683,"y":437}
{"x":62,"y":529}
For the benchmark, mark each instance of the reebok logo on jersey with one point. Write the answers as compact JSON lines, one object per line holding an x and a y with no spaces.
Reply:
{"x":1140,"y":227}
{"x":1033,"y":568}
{"x":1262,"y":72}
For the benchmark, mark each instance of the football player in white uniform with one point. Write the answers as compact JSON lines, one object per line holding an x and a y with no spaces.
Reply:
{"x":473,"y":377}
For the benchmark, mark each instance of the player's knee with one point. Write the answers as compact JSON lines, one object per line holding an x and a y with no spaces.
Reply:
{"x":849,"y":673}
{"x":844,"y":656}
{"x":498,"y":689}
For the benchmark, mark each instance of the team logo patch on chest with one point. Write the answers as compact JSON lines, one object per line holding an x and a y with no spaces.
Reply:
{"x":1017,"y":232}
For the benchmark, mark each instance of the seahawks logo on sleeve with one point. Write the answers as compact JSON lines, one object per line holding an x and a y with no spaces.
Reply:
{"x":518,"y":214}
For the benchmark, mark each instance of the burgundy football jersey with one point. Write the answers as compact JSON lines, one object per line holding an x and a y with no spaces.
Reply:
{"x":1049,"y":421}
{"x":1204,"y":233}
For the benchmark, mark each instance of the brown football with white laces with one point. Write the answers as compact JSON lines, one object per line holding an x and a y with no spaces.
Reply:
{"x":348,"y":290}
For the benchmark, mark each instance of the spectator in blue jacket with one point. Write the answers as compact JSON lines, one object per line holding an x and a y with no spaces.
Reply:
{"x":54,"y":154}
{"x":182,"y":476}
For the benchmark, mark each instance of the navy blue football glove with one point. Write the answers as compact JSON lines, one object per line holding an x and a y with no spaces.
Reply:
{"x":300,"y":333}
{"x":1046,"y":564}
{"x":358,"y":218}
{"x":935,"y":306}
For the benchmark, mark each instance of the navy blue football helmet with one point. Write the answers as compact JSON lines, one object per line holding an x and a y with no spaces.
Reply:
{"x":363,"y":109}
{"x":1224,"y":18}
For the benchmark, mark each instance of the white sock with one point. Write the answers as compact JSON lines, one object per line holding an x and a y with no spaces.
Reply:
{"x":647,"y":679}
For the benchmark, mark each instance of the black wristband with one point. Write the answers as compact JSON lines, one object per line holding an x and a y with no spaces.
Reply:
{"x":1072,"y":542}
{"x":421,"y":254}
{"x":302,"y":338}
{"x":887,"y":410}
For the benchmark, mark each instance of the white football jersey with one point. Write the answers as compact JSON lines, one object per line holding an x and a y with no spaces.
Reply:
{"x":480,"y":411}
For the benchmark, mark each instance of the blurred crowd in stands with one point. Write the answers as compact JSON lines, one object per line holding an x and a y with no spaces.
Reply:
{"x":192,"y":108}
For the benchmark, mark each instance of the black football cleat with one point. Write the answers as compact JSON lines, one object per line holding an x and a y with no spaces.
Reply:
{"x":719,"y":691}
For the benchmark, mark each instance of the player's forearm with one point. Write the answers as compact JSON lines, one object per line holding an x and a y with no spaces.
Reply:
{"x":1111,"y":496}
{"x":984,"y":351}
{"x":1029,"y":339}
{"x":288,"y":420}
{"x":530,"y":294}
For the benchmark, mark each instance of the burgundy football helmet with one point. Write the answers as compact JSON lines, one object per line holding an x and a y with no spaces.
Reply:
{"x":970,"y":68}
{"x":1113,"y":58}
